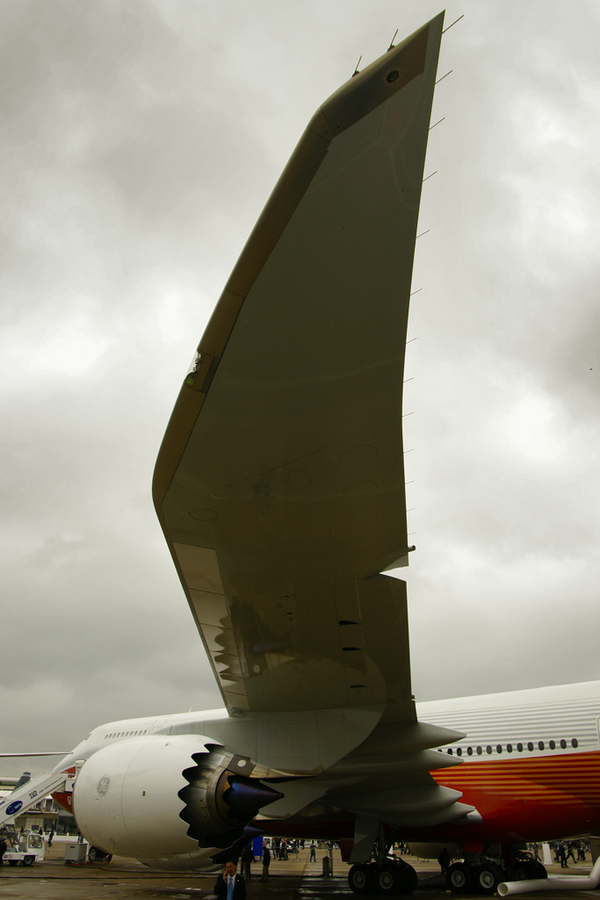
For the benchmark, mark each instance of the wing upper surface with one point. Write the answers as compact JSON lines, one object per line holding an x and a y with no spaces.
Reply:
{"x":280,"y":480}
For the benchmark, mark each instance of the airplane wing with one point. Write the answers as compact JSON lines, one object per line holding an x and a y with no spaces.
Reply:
{"x":280,"y":480}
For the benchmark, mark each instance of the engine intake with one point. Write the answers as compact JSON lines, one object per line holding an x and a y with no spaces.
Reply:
{"x":219,"y":803}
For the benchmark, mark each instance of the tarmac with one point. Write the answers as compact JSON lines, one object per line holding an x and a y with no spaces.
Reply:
{"x":292,"y":879}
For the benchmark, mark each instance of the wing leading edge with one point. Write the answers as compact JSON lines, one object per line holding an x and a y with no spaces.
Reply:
{"x":280,"y":481}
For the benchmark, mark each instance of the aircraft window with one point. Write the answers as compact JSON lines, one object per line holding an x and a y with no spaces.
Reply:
{"x":541,"y":745}
{"x":563,"y":744}
{"x":145,"y":730}
{"x":459,"y":751}
{"x":489,"y":749}
{"x":574,"y":742}
{"x":499,"y":748}
{"x":530,"y":746}
{"x":479,"y":751}
{"x":509,"y":748}
{"x":469,"y":751}
{"x":552,"y":745}
{"x":520,"y":748}
{"x":450,"y":750}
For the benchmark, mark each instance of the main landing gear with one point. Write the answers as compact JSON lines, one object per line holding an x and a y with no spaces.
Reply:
{"x":391,"y":877}
{"x":478,"y":874}
{"x":386,"y":875}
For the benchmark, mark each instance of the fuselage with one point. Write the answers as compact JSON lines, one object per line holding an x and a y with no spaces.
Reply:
{"x":530,"y":764}
{"x":530,"y":760}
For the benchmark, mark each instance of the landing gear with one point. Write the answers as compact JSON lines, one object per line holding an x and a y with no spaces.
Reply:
{"x":391,"y":878}
{"x":360,"y":878}
{"x":481,"y":873}
{"x":460,"y":877}
{"x":539,"y":869}
{"x":468,"y":877}
{"x":388,"y":879}
{"x":487,"y":878}
{"x":525,"y":870}
{"x":526,"y":867}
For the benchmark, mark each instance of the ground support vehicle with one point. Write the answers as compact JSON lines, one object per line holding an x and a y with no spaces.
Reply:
{"x":25,"y":847}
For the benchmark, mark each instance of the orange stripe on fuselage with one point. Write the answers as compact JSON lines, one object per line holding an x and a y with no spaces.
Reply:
{"x":528,"y":795}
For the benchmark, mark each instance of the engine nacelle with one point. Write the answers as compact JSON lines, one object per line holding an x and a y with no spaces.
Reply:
{"x":161,"y":795}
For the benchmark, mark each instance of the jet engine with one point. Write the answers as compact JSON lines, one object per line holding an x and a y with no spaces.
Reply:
{"x":165,"y":796}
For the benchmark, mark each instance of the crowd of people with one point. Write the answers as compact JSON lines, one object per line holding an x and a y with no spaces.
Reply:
{"x":564,"y":850}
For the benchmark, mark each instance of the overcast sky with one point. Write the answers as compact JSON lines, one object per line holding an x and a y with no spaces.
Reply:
{"x":140,"y":141}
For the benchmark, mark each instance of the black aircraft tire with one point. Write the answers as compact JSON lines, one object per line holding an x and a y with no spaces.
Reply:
{"x":522,"y":872}
{"x":540,"y":869}
{"x":460,"y":878}
{"x":410,"y":879}
{"x":388,"y":880}
{"x":360,"y":878}
{"x":487,"y":878}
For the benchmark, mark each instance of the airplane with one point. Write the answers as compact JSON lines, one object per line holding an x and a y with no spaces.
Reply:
{"x":279,"y":486}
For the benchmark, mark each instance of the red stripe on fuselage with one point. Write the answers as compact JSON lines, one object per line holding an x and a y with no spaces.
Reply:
{"x":529,"y":799}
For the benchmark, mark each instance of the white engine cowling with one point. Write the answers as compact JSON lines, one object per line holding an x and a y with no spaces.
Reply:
{"x":160,"y":796}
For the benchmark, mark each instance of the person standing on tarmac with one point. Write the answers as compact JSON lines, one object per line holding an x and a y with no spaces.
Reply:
{"x":247,"y":860}
{"x":560,"y":852}
{"x":444,"y":860}
{"x":266,"y":861}
{"x":229,"y":885}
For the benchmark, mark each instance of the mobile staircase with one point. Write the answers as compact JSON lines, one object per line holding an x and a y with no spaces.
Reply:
{"x":28,"y":794}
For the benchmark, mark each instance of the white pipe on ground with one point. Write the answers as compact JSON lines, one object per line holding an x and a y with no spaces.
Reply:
{"x":553,"y":883}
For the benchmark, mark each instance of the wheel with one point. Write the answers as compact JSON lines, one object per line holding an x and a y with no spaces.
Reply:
{"x":460,"y":877}
{"x":28,"y":860}
{"x":13,"y":862}
{"x":521,"y":872}
{"x":525,"y":870}
{"x":360,"y":878}
{"x":409,"y":878}
{"x":539,"y":869}
{"x":92,"y":854}
{"x":388,"y":879}
{"x":487,"y":877}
